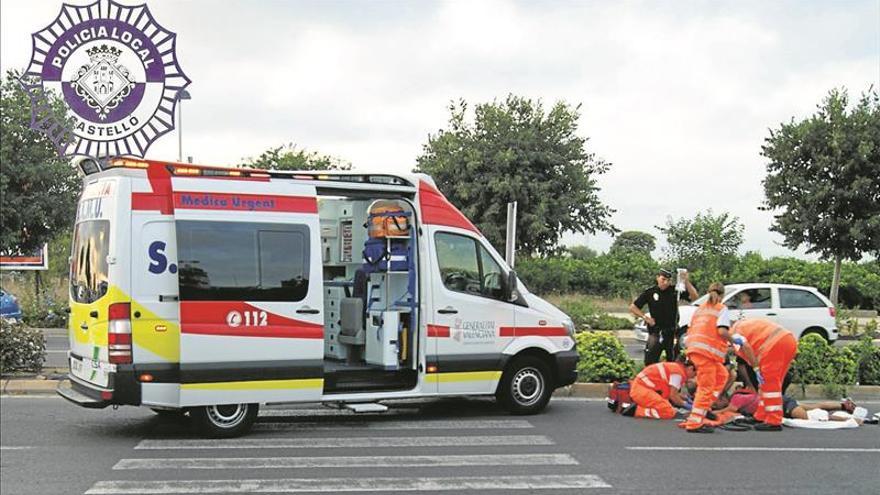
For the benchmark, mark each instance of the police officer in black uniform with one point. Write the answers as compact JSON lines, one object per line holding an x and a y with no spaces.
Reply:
{"x":663,"y":321}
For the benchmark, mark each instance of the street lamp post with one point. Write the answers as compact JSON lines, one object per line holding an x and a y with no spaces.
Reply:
{"x":181,"y":95}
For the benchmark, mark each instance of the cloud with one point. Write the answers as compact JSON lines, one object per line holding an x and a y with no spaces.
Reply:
{"x":678,"y":96}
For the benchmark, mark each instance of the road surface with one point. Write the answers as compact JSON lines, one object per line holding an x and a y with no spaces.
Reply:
{"x":447,"y":446}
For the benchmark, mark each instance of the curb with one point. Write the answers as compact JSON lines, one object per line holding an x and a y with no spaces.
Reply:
{"x":15,"y":386}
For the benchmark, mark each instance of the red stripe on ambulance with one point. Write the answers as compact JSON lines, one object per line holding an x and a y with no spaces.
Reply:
{"x":437,"y":210}
{"x":539,"y":331}
{"x":240,"y":319}
{"x":192,"y":200}
{"x":160,"y":197}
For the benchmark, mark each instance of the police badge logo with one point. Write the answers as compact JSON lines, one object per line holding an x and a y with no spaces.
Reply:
{"x":115,"y":68}
{"x":104,"y":82}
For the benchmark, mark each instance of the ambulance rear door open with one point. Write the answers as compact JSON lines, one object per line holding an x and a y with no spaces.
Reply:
{"x":250,"y":291}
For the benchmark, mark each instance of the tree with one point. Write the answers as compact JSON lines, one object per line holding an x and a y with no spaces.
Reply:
{"x":514,"y":151}
{"x":289,"y":157}
{"x":823,"y":177}
{"x":38,"y":189}
{"x":582,"y":253}
{"x":706,"y":244}
{"x":635,"y":241}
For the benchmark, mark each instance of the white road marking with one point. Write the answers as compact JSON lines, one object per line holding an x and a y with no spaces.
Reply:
{"x":414,"y":424}
{"x":296,"y":413}
{"x":344,"y":442}
{"x":348,"y":461}
{"x":15,"y":447}
{"x":760,"y":449}
{"x":296,"y":485}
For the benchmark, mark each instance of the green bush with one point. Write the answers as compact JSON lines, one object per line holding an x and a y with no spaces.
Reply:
{"x":819,"y":363}
{"x":21,"y":348}
{"x":625,"y":274}
{"x":43,"y":311}
{"x":602,"y":358}
{"x":868,"y":356}
{"x":604,"y":321}
{"x":586,"y":315}
{"x":581,"y":311}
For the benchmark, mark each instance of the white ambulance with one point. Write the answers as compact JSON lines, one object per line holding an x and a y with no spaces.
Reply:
{"x":209,"y":291}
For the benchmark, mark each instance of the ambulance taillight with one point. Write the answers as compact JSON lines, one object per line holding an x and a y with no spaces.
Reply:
{"x":119,"y":333}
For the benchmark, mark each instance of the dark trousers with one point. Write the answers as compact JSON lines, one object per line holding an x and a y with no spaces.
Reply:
{"x":660,"y":340}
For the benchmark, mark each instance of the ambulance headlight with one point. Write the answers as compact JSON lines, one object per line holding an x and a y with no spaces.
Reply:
{"x":569,"y":327}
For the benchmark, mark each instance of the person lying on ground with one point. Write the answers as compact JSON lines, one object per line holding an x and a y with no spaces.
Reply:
{"x":745,"y":401}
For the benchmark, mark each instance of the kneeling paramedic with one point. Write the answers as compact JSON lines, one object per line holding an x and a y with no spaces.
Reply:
{"x":707,"y":342}
{"x":768,"y":349}
{"x":656,"y":389}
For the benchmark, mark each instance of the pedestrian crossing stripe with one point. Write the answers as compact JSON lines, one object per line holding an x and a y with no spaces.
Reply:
{"x":335,"y":485}
{"x":396,"y":461}
{"x":346,"y":442}
{"x":478,"y":424}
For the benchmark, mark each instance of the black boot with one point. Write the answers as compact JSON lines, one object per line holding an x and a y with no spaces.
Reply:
{"x":629,"y":410}
{"x":703,"y":429}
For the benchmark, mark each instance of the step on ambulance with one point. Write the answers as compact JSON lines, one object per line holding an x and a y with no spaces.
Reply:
{"x":210,"y":291}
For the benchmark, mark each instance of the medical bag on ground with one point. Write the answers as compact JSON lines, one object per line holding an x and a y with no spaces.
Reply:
{"x":618,"y":396}
{"x":387,"y":219}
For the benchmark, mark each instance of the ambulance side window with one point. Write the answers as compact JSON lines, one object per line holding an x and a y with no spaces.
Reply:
{"x":235,"y":261}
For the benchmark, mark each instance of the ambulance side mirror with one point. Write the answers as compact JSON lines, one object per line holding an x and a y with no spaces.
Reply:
{"x":512,"y":293}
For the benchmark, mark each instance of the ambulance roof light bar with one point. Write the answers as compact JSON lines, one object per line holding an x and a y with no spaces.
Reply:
{"x":383,"y":179}
{"x":90,"y":166}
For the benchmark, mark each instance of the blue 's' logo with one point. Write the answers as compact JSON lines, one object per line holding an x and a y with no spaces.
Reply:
{"x":158,"y":260}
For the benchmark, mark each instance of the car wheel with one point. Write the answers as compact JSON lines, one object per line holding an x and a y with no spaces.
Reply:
{"x":525,"y":386}
{"x":816,"y":331}
{"x":226,"y":420}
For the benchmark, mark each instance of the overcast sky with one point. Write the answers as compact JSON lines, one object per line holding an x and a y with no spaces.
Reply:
{"x":677,"y":95}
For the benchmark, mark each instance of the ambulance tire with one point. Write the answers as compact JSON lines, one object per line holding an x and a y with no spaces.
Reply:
{"x":525,"y":386}
{"x":224,"y":421}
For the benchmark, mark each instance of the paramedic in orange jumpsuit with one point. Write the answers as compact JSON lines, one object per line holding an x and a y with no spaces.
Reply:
{"x":708,"y":338}
{"x":769,"y":349}
{"x":656,"y":386}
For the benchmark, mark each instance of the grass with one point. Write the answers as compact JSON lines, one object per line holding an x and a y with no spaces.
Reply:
{"x":605,"y":305}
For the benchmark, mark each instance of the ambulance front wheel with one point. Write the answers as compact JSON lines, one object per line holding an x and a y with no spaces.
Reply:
{"x":226,"y":420}
{"x":525,"y":386}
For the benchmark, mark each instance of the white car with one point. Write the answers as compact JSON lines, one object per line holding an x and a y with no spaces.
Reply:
{"x":800,"y":309}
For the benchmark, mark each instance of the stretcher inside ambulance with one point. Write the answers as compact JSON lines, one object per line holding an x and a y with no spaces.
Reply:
{"x":209,"y":291}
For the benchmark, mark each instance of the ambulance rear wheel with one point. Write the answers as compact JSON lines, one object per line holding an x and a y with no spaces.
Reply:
{"x":225,"y":420}
{"x":525,"y":386}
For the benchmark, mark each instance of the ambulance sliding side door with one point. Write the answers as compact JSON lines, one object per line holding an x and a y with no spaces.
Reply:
{"x":251,"y":298}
